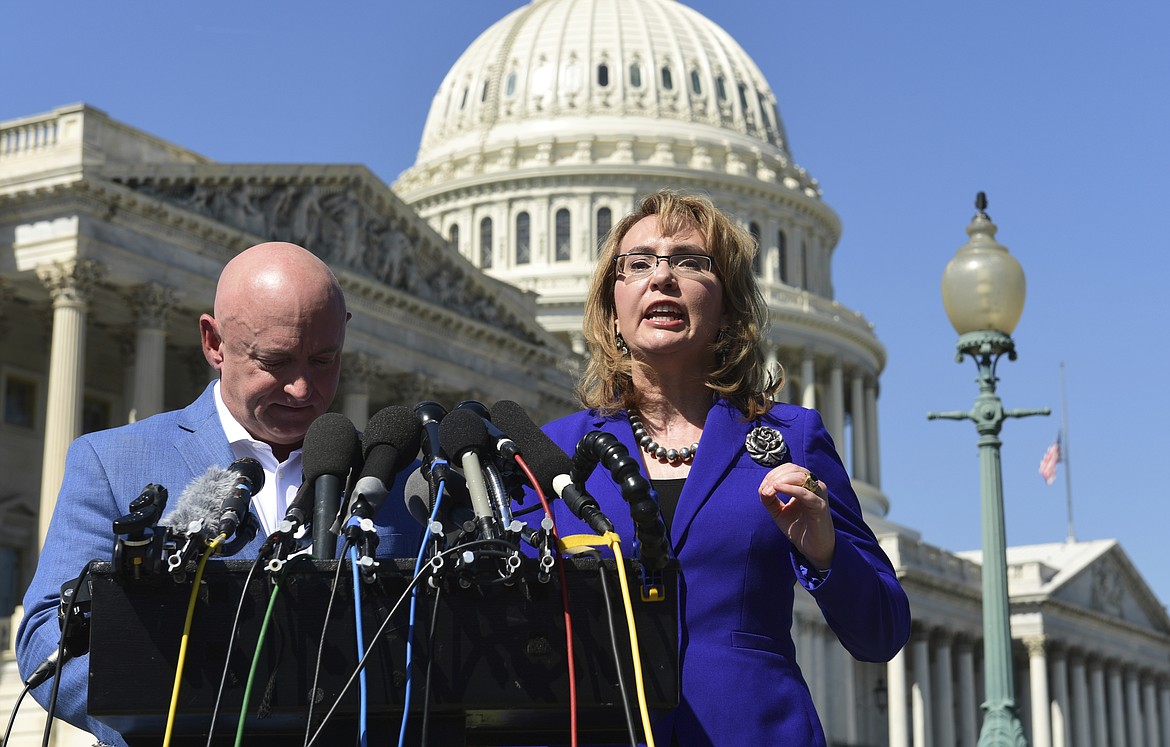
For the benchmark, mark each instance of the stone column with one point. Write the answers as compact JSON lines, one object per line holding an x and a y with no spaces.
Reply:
{"x":1099,"y":704}
{"x":1041,"y":708}
{"x":944,"y":697}
{"x":1116,"y":699}
{"x":69,"y":283}
{"x":920,"y":693}
{"x":808,"y":381}
{"x":860,"y":430}
{"x":835,"y":420}
{"x":1061,"y":723}
{"x":968,"y":698}
{"x":1079,"y":722}
{"x":151,"y":303}
{"x":1164,"y":711}
{"x":1133,"y":707}
{"x":817,"y":662}
{"x":871,"y":423}
{"x":898,"y":700}
{"x":357,"y":370}
{"x":1150,"y":707}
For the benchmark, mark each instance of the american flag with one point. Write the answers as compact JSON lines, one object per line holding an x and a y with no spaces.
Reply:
{"x":1050,"y":460}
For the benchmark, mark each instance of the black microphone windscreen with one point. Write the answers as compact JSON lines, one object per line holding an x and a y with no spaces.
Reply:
{"x":396,"y":427}
{"x":461,"y":431}
{"x":544,"y":457}
{"x":331,"y":447}
{"x":201,"y":499}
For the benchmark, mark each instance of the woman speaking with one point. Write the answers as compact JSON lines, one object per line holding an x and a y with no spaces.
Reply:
{"x":752,"y":492}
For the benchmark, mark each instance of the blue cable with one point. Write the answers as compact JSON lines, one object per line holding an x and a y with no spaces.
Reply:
{"x":413,"y":604}
{"x":361,"y":642}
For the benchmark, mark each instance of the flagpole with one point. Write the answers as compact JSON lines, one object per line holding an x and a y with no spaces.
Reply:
{"x":1066,"y":453}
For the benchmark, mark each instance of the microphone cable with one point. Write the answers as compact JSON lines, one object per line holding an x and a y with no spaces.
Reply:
{"x":621,"y":677}
{"x":382,"y":628}
{"x":426,"y":714}
{"x":231,"y":642}
{"x":321,"y":644}
{"x":208,"y":551}
{"x":579,"y":543}
{"x":52,"y":709}
{"x":569,"y":652}
{"x":409,"y":665}
{"x":260,"y":647}
{"x":363,"y":698}
{"x":12,"y":718}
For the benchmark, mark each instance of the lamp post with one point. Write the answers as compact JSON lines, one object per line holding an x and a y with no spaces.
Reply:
{"x":983,"y":292}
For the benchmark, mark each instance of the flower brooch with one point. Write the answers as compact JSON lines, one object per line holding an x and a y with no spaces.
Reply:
{"x":766,"y":446}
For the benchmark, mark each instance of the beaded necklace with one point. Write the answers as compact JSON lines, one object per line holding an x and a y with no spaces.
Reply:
{"x":651,"y":447}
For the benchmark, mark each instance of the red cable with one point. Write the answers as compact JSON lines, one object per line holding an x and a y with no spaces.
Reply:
{"x":564,"y":603}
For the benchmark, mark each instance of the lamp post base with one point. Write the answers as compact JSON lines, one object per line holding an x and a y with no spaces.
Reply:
{"x":1001,"y":726}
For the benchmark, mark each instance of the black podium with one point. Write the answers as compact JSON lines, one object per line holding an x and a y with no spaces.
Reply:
{"x":498,"y":669}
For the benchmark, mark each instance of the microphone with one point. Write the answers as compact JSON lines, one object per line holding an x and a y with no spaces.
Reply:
{"x":429,"y":415}
{"x":389,"y":444}
{"x":456,"y":509}
{"x":203,"y":502}
{"x":504,"y":445}
{"x":550,"y":464}
{"x":75,"y":637}
{"x":331,"y":449}
{"x":248,"y":481}
{"x":464,"y":436}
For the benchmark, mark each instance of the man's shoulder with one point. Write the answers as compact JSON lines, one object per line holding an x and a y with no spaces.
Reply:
{"x":188,"y":418}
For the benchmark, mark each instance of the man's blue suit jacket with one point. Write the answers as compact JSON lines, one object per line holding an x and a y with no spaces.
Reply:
{"x":741,"y":683}
{"x":104,"y":472}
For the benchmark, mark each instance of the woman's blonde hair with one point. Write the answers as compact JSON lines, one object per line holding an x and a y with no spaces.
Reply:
{"x":741,"y":374}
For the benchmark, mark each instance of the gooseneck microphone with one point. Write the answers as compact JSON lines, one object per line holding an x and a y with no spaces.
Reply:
{"x":550,"y":464}
{"x":389,"y":444}
{"x":330,"y":451}
{"x":464,"y":438}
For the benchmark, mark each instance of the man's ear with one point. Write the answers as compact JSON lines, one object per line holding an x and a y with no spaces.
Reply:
{"x":212,"y":341}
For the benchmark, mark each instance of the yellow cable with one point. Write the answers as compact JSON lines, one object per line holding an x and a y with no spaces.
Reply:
{"x":614,"y":542}
{"x":212,"y":546}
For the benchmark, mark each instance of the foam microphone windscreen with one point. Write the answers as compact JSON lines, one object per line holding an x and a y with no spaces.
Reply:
{"x":397,"y":431}
{"x":544,"y":457}
{"x":331,"y":447}
{"x":201,"y":499}
{"x":462,"y":431}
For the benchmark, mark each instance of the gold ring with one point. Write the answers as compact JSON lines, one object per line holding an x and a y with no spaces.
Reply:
{"x":810,"y":482}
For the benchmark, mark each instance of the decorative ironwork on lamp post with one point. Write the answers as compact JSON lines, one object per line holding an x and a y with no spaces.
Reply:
{"x":983,"y":292}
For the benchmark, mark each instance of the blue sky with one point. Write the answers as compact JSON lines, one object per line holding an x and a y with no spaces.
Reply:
{"x":903,"y":111}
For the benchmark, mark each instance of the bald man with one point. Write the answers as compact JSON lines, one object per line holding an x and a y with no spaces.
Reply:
{"x":275,"y":337}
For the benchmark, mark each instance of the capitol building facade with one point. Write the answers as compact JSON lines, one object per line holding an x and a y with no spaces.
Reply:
{"x":466,"y":279}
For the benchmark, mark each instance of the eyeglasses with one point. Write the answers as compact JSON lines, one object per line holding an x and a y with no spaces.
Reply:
{"x":640,"y":265}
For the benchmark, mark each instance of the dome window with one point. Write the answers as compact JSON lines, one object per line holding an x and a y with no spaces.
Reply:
{"x":743,"y":98}
{"x":635,"y":75}
{"x":667,"y":78}
{"x":463,"y":101}
{"x":564,"y":250}
{"x":485,"y":243}
{"x":453,"y":236}
{"x":721,"y":88}
{"x":510,"y":86}
{"x":604,"y":223}
{"x":603,"y":75}
{"x":758,"y":259}
{"x":696,"y":83}
{"x":523,"y":239}
{"x":483,"y":93}
{"x":782,"y":263}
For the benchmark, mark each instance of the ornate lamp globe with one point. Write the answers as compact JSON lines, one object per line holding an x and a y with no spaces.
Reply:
{"x":983,"y":287}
